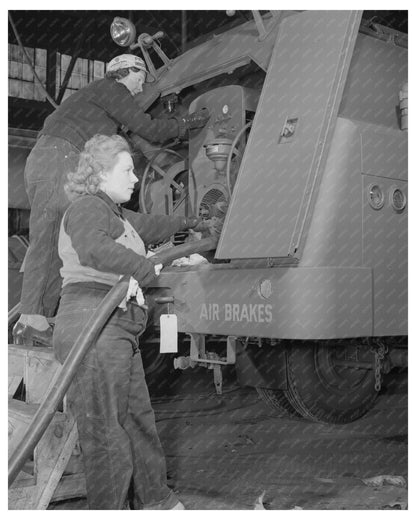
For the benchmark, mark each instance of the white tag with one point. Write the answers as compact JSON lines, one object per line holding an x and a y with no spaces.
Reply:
{"x":168,"y":333}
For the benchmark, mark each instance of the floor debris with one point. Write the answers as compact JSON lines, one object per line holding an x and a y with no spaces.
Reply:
{"x":385,"y":480}
{"x":259,"y":502}
{"x":396,"y":505}
{"x":232,"y":453}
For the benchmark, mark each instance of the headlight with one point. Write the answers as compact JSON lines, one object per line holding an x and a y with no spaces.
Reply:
{"x":397,"y":199}
{"x":122,"y":31}
{"x":375,"y":196}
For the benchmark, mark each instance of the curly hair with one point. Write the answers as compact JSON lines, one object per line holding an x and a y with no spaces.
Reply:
{"x":99,"y":155}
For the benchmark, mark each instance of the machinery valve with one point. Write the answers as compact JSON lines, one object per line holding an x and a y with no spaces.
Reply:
{"x":197,"y":119}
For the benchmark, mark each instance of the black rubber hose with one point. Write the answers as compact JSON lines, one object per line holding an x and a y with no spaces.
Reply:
{"x":53,"y":398}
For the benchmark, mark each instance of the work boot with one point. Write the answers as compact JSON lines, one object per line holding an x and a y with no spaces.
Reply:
{"x":27,"y":335}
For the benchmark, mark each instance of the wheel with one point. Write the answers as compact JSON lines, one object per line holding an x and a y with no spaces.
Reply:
{"x":164,"y":189}
{"x":277,"y":400}
{"x":270,"y":364}
{"x":330,"y":384}
{"x":158,"y":368}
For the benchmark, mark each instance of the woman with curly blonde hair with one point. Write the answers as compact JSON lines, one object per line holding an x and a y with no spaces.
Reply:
{"x":100,"y":153}
{"x":98,"y":242}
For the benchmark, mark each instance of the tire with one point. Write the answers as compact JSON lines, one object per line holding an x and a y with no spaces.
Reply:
{"x":322,"y":391}
{"x":277,"y":400}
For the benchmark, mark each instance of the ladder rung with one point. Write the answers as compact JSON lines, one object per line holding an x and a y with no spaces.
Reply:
{"x":43,"y":352}
{"x":26,"y":411}
{"x":20,"y":419}
{"x":22,"y":410}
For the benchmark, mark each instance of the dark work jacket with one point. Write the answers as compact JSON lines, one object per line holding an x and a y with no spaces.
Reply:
{"x":94,"y":227}
{"x":101,"y":108}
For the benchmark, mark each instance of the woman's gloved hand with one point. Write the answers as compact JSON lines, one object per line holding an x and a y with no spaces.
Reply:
{"x":195,"y":223}
{"x":207,"y":227}
{"x":153,"y":268}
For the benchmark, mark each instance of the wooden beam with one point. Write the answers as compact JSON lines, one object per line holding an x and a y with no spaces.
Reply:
{"x":51,"y":56}
{"x":74,"y":58}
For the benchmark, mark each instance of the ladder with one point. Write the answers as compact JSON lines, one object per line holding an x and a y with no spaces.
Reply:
{"x":54,"y":472}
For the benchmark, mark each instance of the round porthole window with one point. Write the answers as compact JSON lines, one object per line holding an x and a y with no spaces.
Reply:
{"x":375,"y":196}
{"x":397,"y":199}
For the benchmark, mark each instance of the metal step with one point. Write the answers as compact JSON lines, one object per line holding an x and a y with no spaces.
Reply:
{"x":54,"y":470}
{"x":43,"y":351}
{"x":36,"y":483}
{"x":19,"y":418}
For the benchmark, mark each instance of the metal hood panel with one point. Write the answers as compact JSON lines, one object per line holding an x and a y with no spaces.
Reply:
{"x":222,"y":53}
{"x":274,"y":195}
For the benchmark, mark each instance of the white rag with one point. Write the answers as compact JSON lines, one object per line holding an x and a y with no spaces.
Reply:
{"x":194,"y":259}
{"x":134,"y":290}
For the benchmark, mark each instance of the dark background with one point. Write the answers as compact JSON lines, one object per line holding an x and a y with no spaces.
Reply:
{"x":60,"y":30}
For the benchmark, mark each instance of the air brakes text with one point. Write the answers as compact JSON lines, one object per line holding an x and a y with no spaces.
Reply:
{"x":251,"y":312}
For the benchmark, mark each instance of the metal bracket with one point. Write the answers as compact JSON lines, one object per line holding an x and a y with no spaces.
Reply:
{"x":261,"y":28}
{"x":218,"y":379}
{"x":199,"y":354}
{"x":146,"y":41}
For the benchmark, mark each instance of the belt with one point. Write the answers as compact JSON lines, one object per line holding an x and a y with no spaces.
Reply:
{"x":76,"y":287}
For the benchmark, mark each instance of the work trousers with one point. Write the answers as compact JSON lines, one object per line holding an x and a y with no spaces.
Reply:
{"x":111,"y":403}
{"x":46,"y":172}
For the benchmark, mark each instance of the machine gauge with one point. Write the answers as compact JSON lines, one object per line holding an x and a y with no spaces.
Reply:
{"x":397,"y":199}
{"x":375,"y":196}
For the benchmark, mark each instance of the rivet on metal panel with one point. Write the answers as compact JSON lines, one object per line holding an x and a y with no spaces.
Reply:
{"x":265,"y":288}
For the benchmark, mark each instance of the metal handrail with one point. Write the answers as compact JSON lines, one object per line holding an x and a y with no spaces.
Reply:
{"x":56,"y":393}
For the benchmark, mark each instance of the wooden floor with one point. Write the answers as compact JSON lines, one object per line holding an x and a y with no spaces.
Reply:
{"x":224,"y":452}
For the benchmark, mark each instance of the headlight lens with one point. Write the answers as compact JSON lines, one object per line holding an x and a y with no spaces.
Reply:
{"x":375,"y":196}
{"x":122,"y":32}
{"x":397,"y":199}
